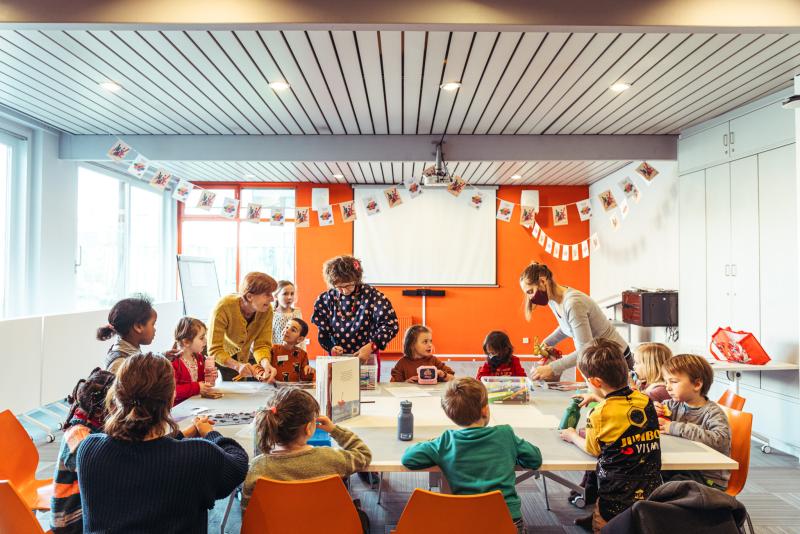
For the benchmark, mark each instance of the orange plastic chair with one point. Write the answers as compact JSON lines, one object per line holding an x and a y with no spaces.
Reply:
{"x":731,"y":400}
{"x":427,"y":511}
{"x":277,"y":507}
{"x":741,"y":429}
{"x":18,"y":462}
{"x":16,"y":517}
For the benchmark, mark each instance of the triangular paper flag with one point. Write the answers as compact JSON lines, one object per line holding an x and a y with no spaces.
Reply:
{"x":325,"y":214}
{"x":301,"y":218}
{"x":182,"y":191}
{"x":253,"y":214}
{"x":118,"y":151}
{"x":138,"y":167}
{"x":348,"y":211}
{"x":277,"y":217}
{"x":505,"y":210}
{"x":229,"y":207}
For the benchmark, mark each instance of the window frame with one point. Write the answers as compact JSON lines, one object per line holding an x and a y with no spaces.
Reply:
{"x":237,"y":191}
{"x":16,"y":212}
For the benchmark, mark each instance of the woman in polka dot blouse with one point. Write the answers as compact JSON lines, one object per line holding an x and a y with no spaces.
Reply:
{"x":352,"y":317}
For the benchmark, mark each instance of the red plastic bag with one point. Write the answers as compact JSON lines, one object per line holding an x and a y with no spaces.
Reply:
{"x":737,"y":347}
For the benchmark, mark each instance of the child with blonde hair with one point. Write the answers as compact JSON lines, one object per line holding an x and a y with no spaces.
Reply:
{"x":648,"y":359}
{"x":284,"y":310}
{"x":191,"y":375}
{"x":283,"y":430}
{"x":418,"y":352}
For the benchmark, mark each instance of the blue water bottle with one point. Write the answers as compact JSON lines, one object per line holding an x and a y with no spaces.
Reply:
{"x":405,"y":422}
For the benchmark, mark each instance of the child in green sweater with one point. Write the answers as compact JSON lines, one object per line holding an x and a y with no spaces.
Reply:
{"x":284,"y":429}
{"x":477,"y":458}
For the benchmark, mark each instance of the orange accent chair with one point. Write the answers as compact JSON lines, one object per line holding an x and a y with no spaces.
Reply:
{"x":731,"y":400}
{"x":741,"y":429}
{"x":16,"y":517}
{"x":427,"y":511}
{"x":332,"y":510}
{"x":19,"y":460}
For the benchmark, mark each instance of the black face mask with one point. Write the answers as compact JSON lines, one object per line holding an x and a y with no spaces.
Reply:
{"x":540,"y":298}
{"x":496,"y":361}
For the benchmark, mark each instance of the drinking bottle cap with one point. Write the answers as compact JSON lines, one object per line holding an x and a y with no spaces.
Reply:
{"x":405,"y":405}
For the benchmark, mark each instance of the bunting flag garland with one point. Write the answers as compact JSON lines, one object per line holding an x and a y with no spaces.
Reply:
{"x":206,"y":200}
{"x":301,"y":219}
{"x":371,"y":206}
{"x":505,"y":210}
{"x":276,"y":217}
{"x":559,"y":215}
{"x":182,"y":191}
{"x":138,"y":167}
{"x":565,"y":251}
{"x":392,"y":197}
{"x":253,"y":214}
{"x":118,"y":151}
{"x":348,"y":211}
{"x":325,"y":214}
{"x":229,"y":207}
{"x":585,"y":209}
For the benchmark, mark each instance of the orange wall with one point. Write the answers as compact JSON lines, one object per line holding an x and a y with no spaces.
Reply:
{"x":461,"y":318}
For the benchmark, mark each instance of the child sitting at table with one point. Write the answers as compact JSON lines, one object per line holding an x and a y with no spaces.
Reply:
{"x":477,"y":458}
{"x":622,"y":431}
{"x":418,"y":352}
{"x":689,"y":414}
{"x":500,"y":359}
{"x":288,"y":358}
{"x":648,"y":359}
{"x":191,"y":375}
{"x":283,"y":430}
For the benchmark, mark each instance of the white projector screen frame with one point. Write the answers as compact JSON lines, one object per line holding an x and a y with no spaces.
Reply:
{"x":435,"y":239}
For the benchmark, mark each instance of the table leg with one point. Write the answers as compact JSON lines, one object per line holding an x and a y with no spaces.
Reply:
{"x":227,"y":512}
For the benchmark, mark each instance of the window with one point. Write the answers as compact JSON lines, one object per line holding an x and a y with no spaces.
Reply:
{"x":5,"y":173}
{"x":239,"y":247}
{"x":121,"y":240}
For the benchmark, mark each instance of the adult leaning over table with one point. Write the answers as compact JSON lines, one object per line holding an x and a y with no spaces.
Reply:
{"x":240,"y":330}
{"x":578,"y":315}
{"x":352,"y":317}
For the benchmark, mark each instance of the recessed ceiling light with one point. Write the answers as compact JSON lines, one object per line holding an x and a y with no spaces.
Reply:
{"x":279,"y":85}
{"x":620,"y":86}
{"x":450,"y":86}
{"x":110,"y":86}
{"x":516,"y":177}
{"x":338,"y":176}
{"x":248,"y":176}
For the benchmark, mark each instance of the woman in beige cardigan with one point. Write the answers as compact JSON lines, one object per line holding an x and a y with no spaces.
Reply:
{"x":240,"y":330}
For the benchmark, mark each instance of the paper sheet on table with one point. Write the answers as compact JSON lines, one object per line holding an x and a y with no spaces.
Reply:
{"x":383,"y":413}
{"x":407,"y":393}
{"x":521,"y":416}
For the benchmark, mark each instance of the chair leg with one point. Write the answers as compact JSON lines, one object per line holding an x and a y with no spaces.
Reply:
{"x":546,"y":499}
{"x":749,"y":523}
{"x":227,"y":513}
{"x":380,"y":486}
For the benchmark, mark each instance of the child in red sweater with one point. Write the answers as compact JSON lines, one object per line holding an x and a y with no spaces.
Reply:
{"x":500,"y":359}
{"x":189,"y":366}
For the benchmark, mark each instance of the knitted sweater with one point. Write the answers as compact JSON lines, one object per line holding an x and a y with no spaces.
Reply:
{"x":163,"y":485}
{"x":316,"y":462}
{"x":707,"y":424}
{"x":405,"y":368}
{"x":512,"y":367}
{"x":232,"y":336}
{"x":185,"y":387}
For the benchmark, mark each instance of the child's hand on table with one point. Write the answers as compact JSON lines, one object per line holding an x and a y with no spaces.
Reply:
{"x":207,"y":391}
{"x":568,"y":434}
{"x":203,"y":424}
{"x":325,"y":423}
{"x":413,"y":380}
{"x":308,"y":371}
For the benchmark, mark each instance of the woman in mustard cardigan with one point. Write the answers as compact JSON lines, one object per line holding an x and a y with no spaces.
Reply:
{"x":240,"y":330}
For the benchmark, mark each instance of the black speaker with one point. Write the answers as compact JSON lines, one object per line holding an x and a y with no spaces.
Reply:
{"x":650,"y":308}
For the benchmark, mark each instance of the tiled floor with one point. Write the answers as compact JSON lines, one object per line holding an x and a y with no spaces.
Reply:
{"x":772,"y":495}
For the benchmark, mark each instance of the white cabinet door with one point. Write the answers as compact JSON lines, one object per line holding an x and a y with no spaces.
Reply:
{"x":703,"y":149}
{"x":762,"y":129}
{"x":718,"y":248}
{"x":778,"y":239}
{"x":745,"y":306}
{"x":692,"y":262}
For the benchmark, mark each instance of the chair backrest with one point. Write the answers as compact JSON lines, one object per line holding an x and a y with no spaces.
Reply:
{"x":466,"y":514}
{"x":316,"y":505}
{"x":16,"y":517}
{"x":19,"y":457}
{"x":741,"y":430}
{"x":731,"y":400}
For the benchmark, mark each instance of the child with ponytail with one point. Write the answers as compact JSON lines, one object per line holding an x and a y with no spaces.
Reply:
{"x":133,"y":321}
{"x":283,"y":431}
{"x":86,"y":416}
{"x":192,"y":375}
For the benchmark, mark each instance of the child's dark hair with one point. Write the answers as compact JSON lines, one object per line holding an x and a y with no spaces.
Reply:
{"x":125,"y":314}
{"x":602,"y":358}
{"x":289,"y":411}
{"x":89,"y":395}
{"x":410,"y":338}
{"x":188,"y":328}
{"x":500,"y":344}
{"x":303,"y":326}
{"x":140,"y":399}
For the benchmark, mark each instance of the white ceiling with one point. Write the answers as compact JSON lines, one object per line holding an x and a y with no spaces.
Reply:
{"x":387,"y":82}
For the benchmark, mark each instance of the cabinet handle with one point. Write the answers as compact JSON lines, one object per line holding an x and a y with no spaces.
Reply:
{"x":731,"y":140}
{"x":733,"y":269}
{"x":724,"y":139}
{"x":727,"y":269}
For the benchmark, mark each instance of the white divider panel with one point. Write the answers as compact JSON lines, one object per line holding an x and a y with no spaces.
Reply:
{"x":21,"y":360}
{"x":169,"y":313}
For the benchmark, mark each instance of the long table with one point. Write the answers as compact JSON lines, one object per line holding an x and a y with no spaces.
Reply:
{"x":535,"y":422}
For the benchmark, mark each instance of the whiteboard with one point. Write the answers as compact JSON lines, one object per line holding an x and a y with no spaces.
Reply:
{"x":199,"y":286}
{"x":21,"y":360}
{"x":433,"y":239}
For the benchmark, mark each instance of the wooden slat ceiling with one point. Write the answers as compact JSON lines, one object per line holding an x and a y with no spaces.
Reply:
{"x":386,"y":82}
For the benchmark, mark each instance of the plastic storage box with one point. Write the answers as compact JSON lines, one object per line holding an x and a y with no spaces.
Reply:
{"x":508,"y":389}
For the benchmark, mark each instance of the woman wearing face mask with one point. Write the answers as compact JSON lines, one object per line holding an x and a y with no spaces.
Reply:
{"x":352,"y":317}
{"x":579,"y":317}
{"x":240,"y":330}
